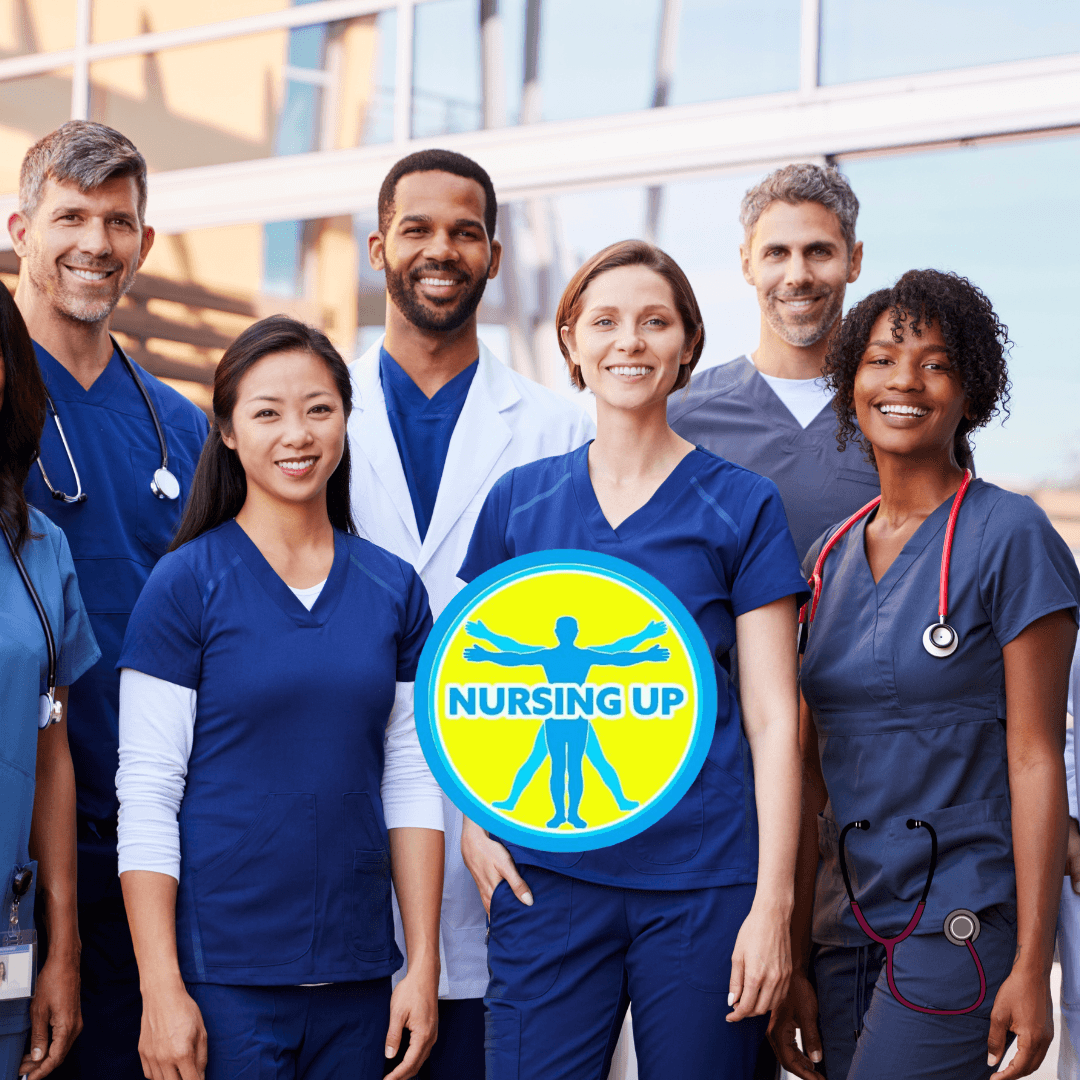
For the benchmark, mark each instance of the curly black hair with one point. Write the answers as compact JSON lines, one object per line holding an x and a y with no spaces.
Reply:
{"x":976,"y":342}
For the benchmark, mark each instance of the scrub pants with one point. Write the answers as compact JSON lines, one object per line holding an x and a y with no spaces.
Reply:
{"x":12,"y":1048}
{"x":295,"y":1032}
{"x":560,"y":969}
{"x":893,"y":1040}
{"x":108,"y":1047}
{"x":458,"y":1053}
{"x":1068,"y":943}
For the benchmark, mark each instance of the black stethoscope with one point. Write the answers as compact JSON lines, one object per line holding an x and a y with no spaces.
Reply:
{"x":961,"y":927}
{"x":939,"y":639}
{"x":163,"y":484}
{"x":51,"y":709}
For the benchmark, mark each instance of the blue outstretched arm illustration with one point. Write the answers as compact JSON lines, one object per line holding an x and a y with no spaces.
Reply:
{"x":566,"y":740}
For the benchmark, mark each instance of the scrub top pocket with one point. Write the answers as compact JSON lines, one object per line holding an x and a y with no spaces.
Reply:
{"x":156,"y":520}
{"x":232,"y":891}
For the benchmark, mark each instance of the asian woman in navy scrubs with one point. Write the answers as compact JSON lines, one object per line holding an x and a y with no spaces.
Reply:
{"x":690,"y":918}
{"x":270,"y":780}
{"x":907,"y":749}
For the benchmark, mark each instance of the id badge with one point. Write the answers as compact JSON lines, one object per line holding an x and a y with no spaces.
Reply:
{"x":18,"y":964}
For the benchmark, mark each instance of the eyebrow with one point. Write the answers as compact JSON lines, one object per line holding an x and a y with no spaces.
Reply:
{"x":307,"y":397}
{"x":929,"y":346}
{"x":427,"y":219}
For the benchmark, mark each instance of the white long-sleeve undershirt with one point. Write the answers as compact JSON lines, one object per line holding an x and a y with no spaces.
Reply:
{"x":157,"y":725}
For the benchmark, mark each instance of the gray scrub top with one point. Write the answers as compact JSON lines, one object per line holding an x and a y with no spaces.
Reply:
{"x":732,"y":411}
{"x":905,"y":735}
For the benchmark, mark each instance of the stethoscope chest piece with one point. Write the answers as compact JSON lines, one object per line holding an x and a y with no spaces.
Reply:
{"x":165,"y":486}
{"x":940,"y":639}
{"x":962,"y":926}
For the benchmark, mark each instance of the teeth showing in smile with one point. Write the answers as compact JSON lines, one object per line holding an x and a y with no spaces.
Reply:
{"x":902,"y":410}
{"x":296,"y":466}
{"x":433,"y":281}
{"x":800,"y":304}
{"x":624,"y":370}
{"x":90,"y":275}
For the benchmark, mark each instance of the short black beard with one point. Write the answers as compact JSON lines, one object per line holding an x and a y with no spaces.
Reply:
{"x":398,"y":285}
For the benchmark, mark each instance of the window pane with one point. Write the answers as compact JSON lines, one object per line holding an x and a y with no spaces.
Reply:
{"x":446,"y":68}
{"x":1001,"y":216}
{"x":736,"y":48}
{"x":873,"y":39}
{"x":41,"y":26}
{"x":113,"y":20}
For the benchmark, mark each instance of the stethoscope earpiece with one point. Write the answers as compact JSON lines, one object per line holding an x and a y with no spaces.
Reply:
{"x":940,"y":639}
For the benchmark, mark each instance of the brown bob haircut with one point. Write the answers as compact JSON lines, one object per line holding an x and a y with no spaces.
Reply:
{"x":632,"y":253}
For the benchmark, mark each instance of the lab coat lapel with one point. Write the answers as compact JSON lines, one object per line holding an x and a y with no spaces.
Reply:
{"x":480,"y":437}
{"x":371,"y":435}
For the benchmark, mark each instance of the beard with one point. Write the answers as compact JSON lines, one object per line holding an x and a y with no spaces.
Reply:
{"x":71,"y":304}
{"x":403,"y":290}
{"x":804,"y":330}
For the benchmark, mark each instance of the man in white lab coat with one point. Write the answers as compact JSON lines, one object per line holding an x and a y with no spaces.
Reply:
{"x":436,"y":420}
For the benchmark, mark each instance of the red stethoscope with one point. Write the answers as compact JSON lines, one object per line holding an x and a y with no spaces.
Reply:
{"x":961,"y":926}
{"x":939,"y":639}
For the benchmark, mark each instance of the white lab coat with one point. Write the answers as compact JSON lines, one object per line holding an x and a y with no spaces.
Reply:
{"x":507,"y":420}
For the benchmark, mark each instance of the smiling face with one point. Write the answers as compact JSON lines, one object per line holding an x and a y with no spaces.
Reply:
{"x":797,"y":259}
{"x":436,"y":253}
{"x":288,"y":427}
{"x":81,"y":250}
{"x":908,"y":396}
{"x":629,"y":339}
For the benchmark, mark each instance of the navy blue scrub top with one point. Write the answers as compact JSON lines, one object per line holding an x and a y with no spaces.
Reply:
{"x":285,"y":871}
{"x":422,"y":428}
{"x":732,"y":411}
{"x":24,"y":669}
{"x":905,"y":735}
{"x":714,"y":533}
{"x":116,"y":535}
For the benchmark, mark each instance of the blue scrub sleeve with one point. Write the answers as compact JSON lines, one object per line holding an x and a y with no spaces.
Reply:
{"x":768,"y":566}
{"x":164,"y":636}
{"x":77,"y":648}
{"x":1026,"y":570}
{"x":487,"y":548}
{"x":417,"y":626}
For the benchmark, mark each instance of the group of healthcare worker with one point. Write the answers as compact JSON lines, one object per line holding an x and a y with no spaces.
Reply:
{"x":278,"y":828}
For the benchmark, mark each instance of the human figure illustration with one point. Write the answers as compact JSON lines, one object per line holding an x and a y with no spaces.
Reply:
{"x":566,"y":740}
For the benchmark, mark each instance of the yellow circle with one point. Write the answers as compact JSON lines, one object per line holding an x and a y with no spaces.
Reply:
{"x":644,"y":751}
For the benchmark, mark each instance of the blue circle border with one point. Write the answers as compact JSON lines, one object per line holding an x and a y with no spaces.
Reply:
{"x":447,"y":625}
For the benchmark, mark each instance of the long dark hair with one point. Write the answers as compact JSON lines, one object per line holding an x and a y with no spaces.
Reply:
{"x":22,"y":418}
{"x":220,"y":486}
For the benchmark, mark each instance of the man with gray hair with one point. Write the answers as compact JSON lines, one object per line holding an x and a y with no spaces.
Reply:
{"x":117,"y":458}
{"x":770,"y":411}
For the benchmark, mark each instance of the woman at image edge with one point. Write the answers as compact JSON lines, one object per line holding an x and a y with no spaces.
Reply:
{"x":672,"y":917}
{"x":266,"y":697}
{"x":969,"y":744}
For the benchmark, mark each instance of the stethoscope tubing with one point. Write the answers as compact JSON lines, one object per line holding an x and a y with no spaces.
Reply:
{"x":80,"y":495}
{"x":43,"y":618}
{"x":891,"y":943}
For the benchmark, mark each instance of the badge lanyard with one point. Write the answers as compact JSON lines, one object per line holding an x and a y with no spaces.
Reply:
{"x":163,"y":483}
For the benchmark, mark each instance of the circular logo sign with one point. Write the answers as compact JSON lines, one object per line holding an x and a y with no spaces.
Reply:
{"x":565,"y":700}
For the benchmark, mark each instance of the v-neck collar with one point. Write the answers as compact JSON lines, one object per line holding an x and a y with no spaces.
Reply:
{"x":399,"y":388}
{"x":63,"y":385}
{"x":643,"y":516}
{"x":278,"y":591}
{"x":916,"y":544}
{"x":769,"y":403}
